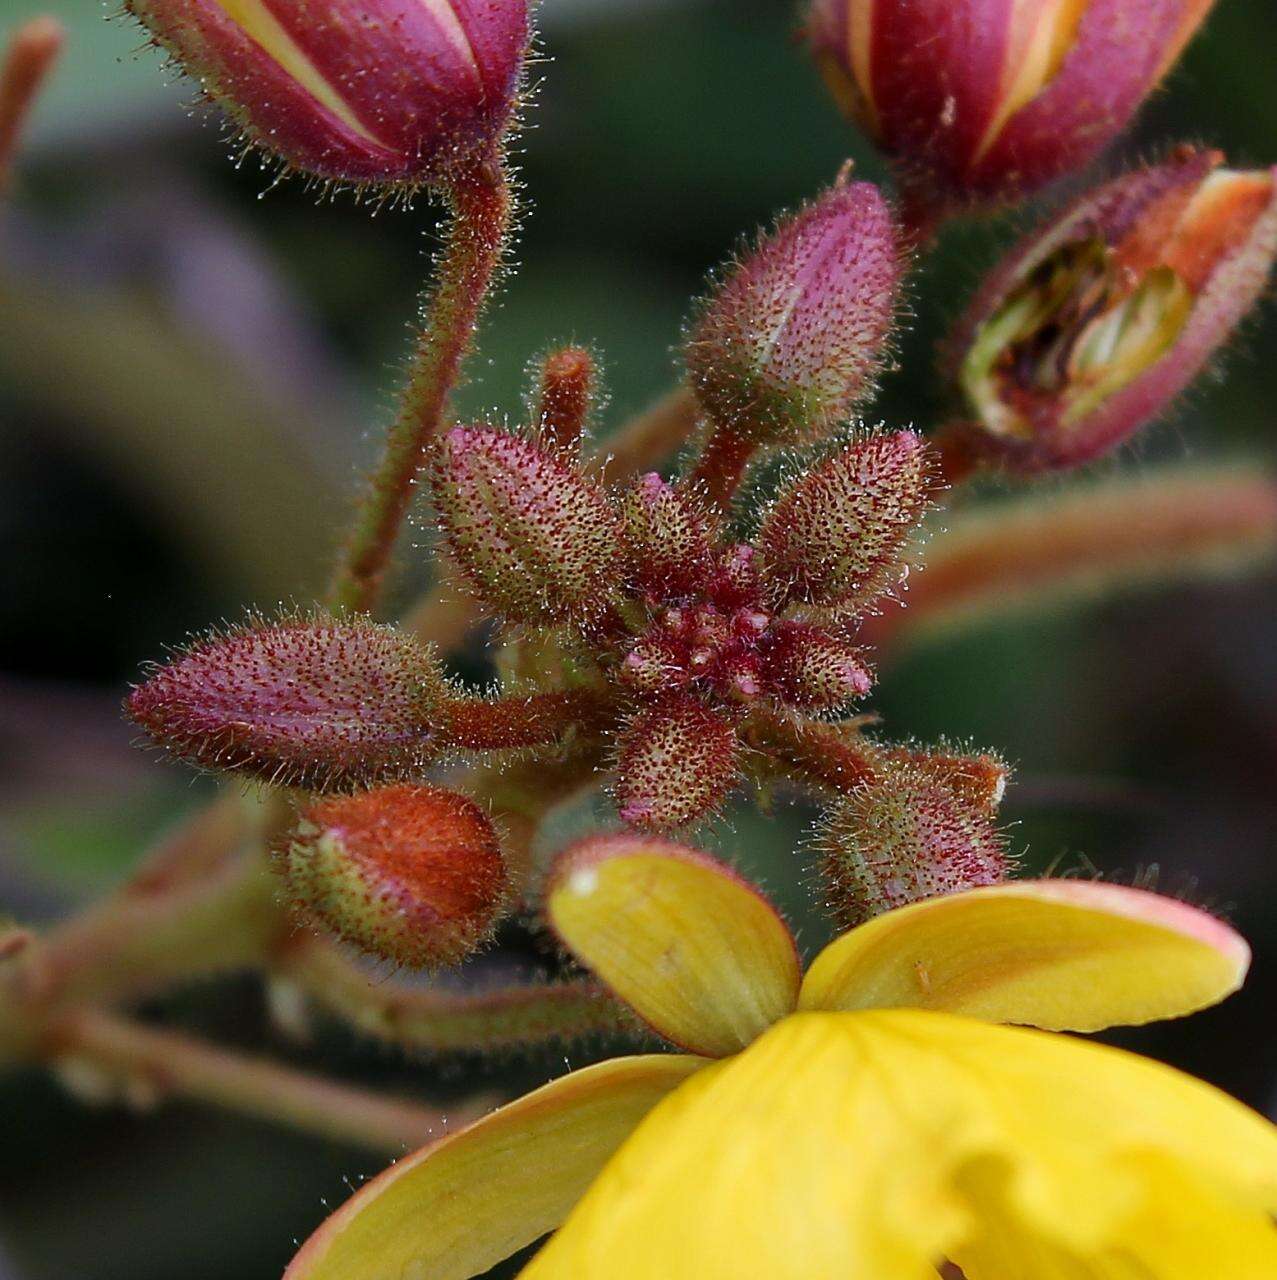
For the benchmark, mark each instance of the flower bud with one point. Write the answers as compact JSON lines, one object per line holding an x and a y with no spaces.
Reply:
{"x":1093,"y":325}
{"x":910,"y":833}
{"x":412,"y":874}
{"x":983,"y":101}
{"x":304,"y":701}
{"x":668,"y":538}
{"x":536,"y":539}
{"x":794,"y":335}
{"x":814,"y":669}
{"x":363,"y":91}
{"x":677,"y":761}
{"x":836,"y":537}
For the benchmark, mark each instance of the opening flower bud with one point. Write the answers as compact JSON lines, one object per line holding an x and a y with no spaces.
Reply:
{"x":677,"y":761}
{"x":837,"y":536}
{"x":794,"y":335}
{"x":983,"y":101}
{"x":412,"y":874}
{"x":362,"y":91}
{"x":536,"y":540}
{"x":911,"y":833}
{"x":305,"y":701}
{"x":1093,"y":325}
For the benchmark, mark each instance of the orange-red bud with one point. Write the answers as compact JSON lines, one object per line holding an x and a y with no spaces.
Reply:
{"x":412,"y":874}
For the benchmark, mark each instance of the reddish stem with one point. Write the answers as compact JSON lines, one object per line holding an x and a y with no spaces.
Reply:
{"x":481,"y":212}
{"x":821,"y":754}
{"x":496,"y":724}
{"x":32,"y":51}
{"x":721,"y":465}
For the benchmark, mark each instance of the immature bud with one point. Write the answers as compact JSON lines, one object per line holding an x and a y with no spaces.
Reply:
{"x":536,"y":539}
{"x":668,"y":538}
{"x":412,"y":874}
{"x":1093,"y":325}
{"x":565,"y":397}
{"x":836,"y":537}
{"x":811,"y":668}
{"x":794,"y":336}
{"x":983,"y":101}
{"x":909,"y":834}
{"x":304,"y":701}
{"x":677,"y":762}
{"x":363,"y":91}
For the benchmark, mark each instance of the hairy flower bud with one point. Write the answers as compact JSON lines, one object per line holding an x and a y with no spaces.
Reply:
{"x":412,"y":874}
{"x":794,"y":335}
{"x":668,"y":538}
{"x":836,"y":536}
{"x":304,"y":701}
{"x":913,"y":832}
{"x":363,"y":91}
{"x":536,"y":540}
{"x":677,"y":761}
{"x":1094,"y":324}
{"x":986,"y":100}
{"x":811,"y":668}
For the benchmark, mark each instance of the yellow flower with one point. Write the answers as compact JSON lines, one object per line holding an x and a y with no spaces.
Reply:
{"x":865,"y":1121}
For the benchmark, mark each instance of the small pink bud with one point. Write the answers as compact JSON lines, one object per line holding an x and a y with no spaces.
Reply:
{"x":668,"y":538}
{"x":837,"y":536}
{"x":536,"y":540}
{"x":1093,"y":325}
{"x":811,"y":668}
{"x":984,"y":101}
{"x":677,"y":761}
{"x":305,"y":701}
{"x":363,"y":91}
{"x":412,"y":874}
{"x":907,"y":835}
{"x":794,"y":336}
{"x":652,"y":667}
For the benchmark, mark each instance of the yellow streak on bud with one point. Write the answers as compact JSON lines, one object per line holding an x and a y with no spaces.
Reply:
{"x":261,"y":26}
{"x":1040,"y":39}
{"x":859,"y":56}
{"x":1194,"y":15}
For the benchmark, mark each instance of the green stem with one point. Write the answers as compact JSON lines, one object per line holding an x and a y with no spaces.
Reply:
{"x":479,"y":232}
{"x":148,"y":1064}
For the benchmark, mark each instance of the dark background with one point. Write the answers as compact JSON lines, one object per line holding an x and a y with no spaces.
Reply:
{"x":191,"y":373}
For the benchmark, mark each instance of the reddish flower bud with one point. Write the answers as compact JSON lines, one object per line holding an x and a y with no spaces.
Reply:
{"x":536,"y":539}
{"x":305,"y":701}
{"x":794,"y":336}
{"x":364,"y":91}
{"x":668,"y":538}
{"x":677,"y":761}
{"x":986,"y":100}
{"x":911,"y":833}
{"x":812,"y":668}
{"x":837,"y":536}
{"x":409,"y":874}
{"x":565,"y":397}
{"x":1094,"y":324}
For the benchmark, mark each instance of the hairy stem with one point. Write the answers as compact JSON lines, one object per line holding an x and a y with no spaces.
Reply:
{"x":821,"y":754}
{"x":532,"y":720}
{"x":1090,"y":540}
{"x":441,"y":1019}
{"x":150,"y":1064}
{"x":477,"y":238}
{"x":565,"y":396}
{"x":721,"y":465}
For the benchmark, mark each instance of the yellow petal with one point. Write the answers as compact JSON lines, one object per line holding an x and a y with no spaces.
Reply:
{"x":459,"y":1206}
{"x":875,"y":1144}
{"x":700,"y":954}
{"x":1066,"y":955}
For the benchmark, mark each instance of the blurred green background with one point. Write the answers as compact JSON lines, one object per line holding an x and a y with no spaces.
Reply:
{"x":193,"y":365}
